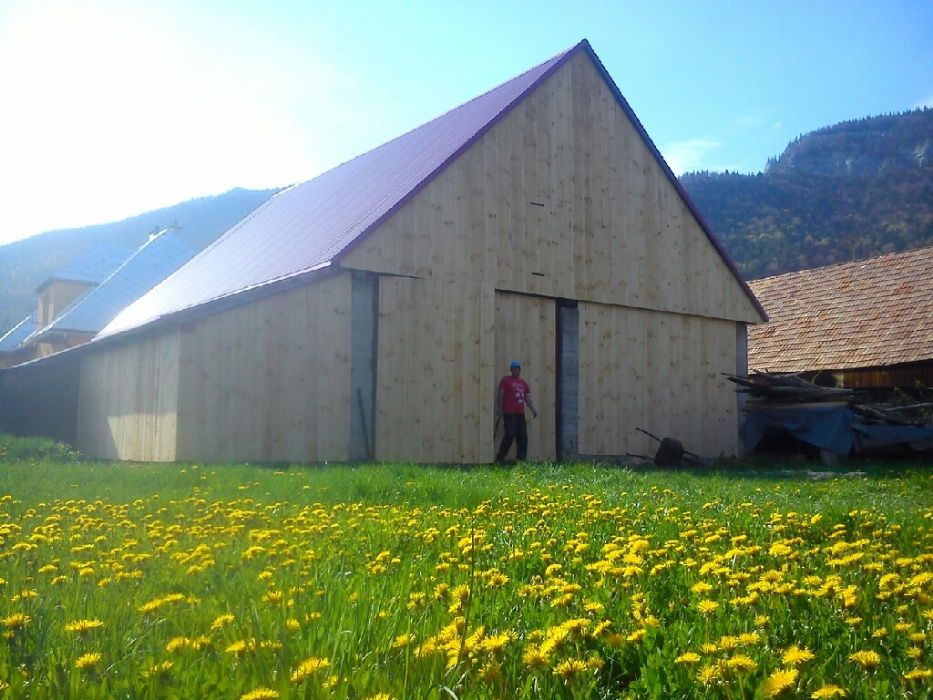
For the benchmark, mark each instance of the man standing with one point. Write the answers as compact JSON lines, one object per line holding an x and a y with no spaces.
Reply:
{"x":511,"y":399}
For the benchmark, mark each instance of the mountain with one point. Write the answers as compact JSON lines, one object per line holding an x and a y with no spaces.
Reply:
{"x":849,"y":191}
{"x":25,"y":264}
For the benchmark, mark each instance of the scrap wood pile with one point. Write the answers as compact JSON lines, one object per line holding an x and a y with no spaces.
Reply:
{"x":839,"y":421}
{"x":770,"y":389}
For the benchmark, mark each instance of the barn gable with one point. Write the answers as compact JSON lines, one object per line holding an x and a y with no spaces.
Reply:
{"x":565,"y":197}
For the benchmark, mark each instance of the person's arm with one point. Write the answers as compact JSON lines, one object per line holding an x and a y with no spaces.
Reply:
{"x":530,"y":404}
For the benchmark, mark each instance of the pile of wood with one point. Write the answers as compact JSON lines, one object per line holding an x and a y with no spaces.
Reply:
{"x":782,"y":389}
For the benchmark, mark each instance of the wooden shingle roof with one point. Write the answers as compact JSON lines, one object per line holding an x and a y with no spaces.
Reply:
{"x":868,"y":313}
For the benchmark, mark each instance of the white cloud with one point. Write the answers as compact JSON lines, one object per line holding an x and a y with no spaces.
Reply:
{"x":747,"y":121}
{"x":684,"y":156}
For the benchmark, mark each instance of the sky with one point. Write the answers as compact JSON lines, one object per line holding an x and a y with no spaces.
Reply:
{"x":110,"y":108}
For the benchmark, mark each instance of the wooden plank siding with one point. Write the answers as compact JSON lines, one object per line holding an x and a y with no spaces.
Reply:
{"x":526,"y":330}
{"x":436,"y":343}
{"x":269,"y":380}
{"x":657,"y":371}
{"x":561,"y":198}
{"x":128,"y":398}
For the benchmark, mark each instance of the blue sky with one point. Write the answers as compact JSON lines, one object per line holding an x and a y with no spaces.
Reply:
{"x":112,"y":108}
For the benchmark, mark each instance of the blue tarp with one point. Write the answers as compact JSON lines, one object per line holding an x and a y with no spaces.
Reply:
{"x":834,"y":428}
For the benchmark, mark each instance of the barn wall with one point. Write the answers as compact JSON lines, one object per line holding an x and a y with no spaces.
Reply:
{"x":269,"y":380}
{"x":128,"y":399}
{"x":41,"y":399}
{"x":561,"y":198}
{"x":660,"y":372}
{"x":436,"y":352}
{"x":526,"y":330}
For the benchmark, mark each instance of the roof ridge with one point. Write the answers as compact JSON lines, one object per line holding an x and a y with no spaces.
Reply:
{"x":824,"y":268}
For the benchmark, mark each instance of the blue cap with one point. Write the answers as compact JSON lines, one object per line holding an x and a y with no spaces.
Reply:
{"x":515,"y":363}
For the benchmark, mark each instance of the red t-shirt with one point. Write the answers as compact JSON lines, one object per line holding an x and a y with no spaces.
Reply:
{"x":514,"y":390}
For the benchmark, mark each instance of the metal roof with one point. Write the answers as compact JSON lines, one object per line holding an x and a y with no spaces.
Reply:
{"x":18,"y":333}
{"x":868,"y":313}
{"x":92,"y":266}
{"x":309,"y":226}
{"x":156,"y":259}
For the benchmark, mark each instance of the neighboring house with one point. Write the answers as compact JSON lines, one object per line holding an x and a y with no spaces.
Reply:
{"x":864,"y":325}
{"x":370,"y":312}
{"x":12,"y":348}
{"x":57,"y":293}
{"x":164,"y":252}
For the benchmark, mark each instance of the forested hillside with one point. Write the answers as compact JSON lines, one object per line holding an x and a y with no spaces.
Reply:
{"x":849,"y":191}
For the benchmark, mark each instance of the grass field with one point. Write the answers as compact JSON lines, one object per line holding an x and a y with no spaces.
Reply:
{"x":405,"y":582}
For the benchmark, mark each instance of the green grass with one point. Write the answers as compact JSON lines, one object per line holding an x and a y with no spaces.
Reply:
{"x":538,"y":581}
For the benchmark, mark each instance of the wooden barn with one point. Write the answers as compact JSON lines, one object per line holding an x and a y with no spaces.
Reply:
{"x":370,"y":312}
{"x":866,"y":324}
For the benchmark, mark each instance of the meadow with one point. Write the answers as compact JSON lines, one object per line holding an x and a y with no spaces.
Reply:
{"x":395,"y":581}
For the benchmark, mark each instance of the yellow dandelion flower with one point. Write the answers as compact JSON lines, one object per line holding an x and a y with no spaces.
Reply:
{"x":707,"y":607}
{"x":687,"y":658}
{"x":709,"y":648}
{"x":260,"y":693}
{"x":88,"y":661}
{"x":570,"y":668}
{"x":16,"y":621}
{"x":222,"y":621}
{"x":161,"y":669}
{"x":709,"y":674}
{"x":794,"y":656}
{"x":309,"y":667}
{"x":762,"y":621}
{"x":866,"y":659}
{"x":741,"y":662}
{"x":403,"y":640}
{"x":828,"y":691}
{"x":379,"y":696}
{"x":292,"y":625}
{"x":535,"y":657}
{"x":728,"y":642}
{"x":749,"y":638}
{"x":779,"y":681}
{"x":701,"y":588}
{"x":918,"y":674}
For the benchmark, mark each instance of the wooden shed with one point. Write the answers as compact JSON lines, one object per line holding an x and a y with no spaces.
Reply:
{"x":866,"y":324}
{"x":370,"y":312}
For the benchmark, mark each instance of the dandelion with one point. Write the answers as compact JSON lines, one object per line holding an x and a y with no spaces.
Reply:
{"x":222,"y":621}
{"x":88,"y":661}
{"x":157,"y":670}
{"x":570,"y":668}
{"x":828,"y":691}
{"x":779,"y":681}
{"x":918,"y":674}
{"x":687,"y":658}
{"x":741,"y":662}
{"x":16,"y":621}
{"x":534,"y":657}
{"x":794,"y":656}
{"x":403,"y":640}
{"x":83,"y":626}
{"x":260,"y":693}
{"x":866,"y":659}
{"x":308,"y":667}
{"x":709,"y":674}
{"x":707,"y":607}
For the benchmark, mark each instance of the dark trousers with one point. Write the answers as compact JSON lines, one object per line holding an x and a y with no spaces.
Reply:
{"x":515,"y":429}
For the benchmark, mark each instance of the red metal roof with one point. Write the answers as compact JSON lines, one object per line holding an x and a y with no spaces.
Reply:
{"x":308,"y":226}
